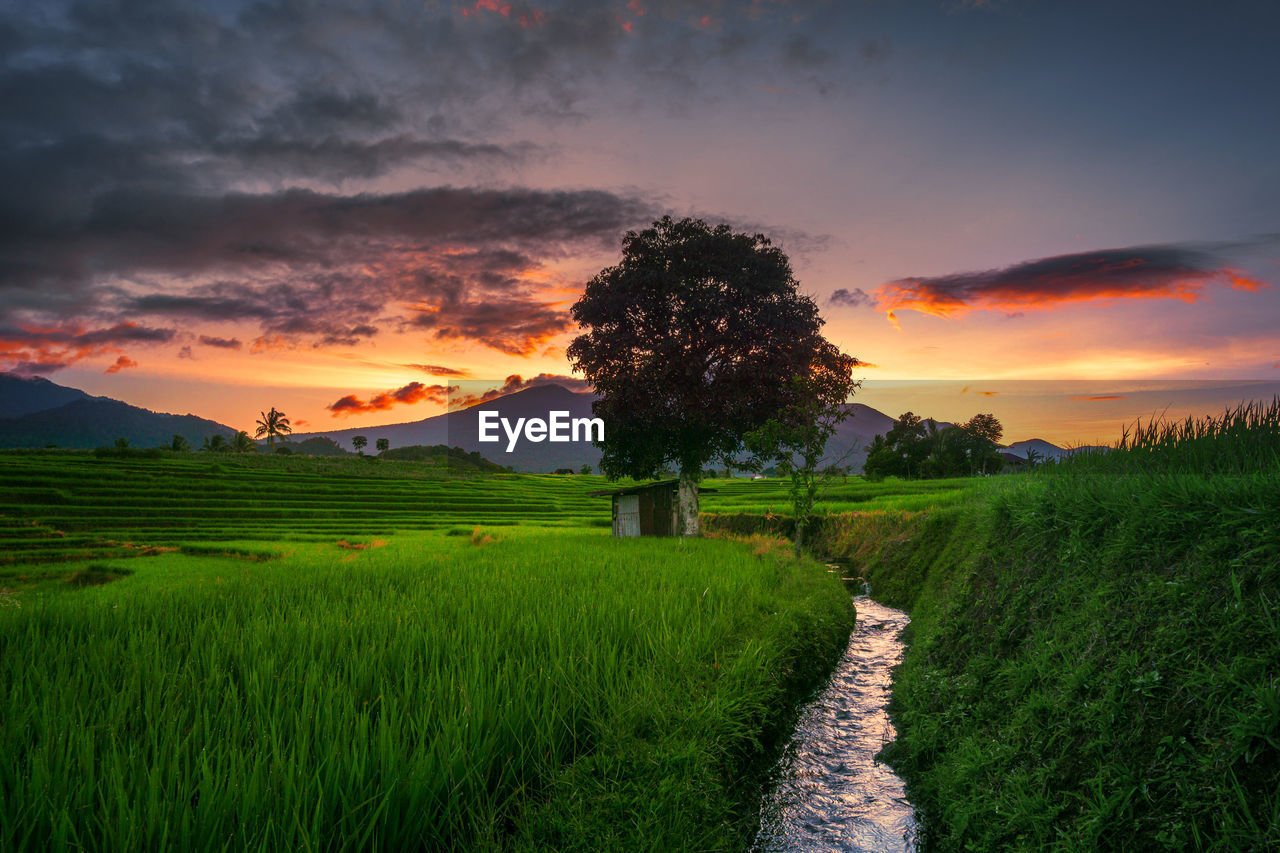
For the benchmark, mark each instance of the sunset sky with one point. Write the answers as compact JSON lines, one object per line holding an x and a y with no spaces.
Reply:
{"x":1067,"y":214}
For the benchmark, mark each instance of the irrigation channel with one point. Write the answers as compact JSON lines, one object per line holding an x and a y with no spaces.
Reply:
{"x":829,"y":792}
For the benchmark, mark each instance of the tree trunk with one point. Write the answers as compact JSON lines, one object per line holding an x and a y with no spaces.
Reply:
{"x":687,"y":501}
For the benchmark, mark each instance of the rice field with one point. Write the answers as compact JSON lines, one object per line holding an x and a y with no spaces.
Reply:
{"x":67,"y":506}
{"x":203,"y":653}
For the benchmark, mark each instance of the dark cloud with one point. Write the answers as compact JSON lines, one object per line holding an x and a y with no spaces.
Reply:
{"x":321,"y":267}
{"x":221,"y":343}
{"x":186,"y":352}
{"x":856,"y":298}
{"x":414,"y":392}
{"x":1138,"y":272}
{"x":211,"y":162}
{"x":33,"y":350}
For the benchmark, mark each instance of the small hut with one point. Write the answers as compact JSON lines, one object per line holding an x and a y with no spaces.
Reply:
{"x":645,"y":510}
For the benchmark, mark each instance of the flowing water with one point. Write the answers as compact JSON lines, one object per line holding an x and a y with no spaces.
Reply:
{"x":830,"y":793}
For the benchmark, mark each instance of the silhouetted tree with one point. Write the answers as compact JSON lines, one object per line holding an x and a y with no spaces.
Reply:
{"x":359,"y":442}
{"x":916,"y":448}
{"x":242,"y":443}
{"x":984,"y":432}
{"x":215,"y":444}
{"x":122,"y":443}
{"x":383,"y":444}
{"x":179,"y":443}
{"x":692,"y":340}
{"x":273,"y":424}
{"x":585,"y":469}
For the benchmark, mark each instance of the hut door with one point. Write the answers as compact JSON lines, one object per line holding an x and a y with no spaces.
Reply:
{"x":662,"y":509}
{"x":626,"y":519}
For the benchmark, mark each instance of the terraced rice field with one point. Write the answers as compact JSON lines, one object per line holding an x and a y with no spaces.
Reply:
{"x":60,"y":506}
{"x":63,"y":506}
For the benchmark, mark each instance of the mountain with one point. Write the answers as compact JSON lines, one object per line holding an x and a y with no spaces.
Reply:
{"x":21,"y":396}
{"x":849,"y":444}
{"x":1043,"y":449}
{"x":80,"y":421}
{"x":1047,"y":450}
{"x":461,"y":429}
{"x":45,"y":413}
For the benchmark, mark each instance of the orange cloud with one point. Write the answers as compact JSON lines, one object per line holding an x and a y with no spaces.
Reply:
{"x":1152,"y":272}
{"x":414,"y":392}
{"x":462,"y":398}
{"x":121,"y":363}
{"x":1101,"y":397}
{"x":33,"y":350}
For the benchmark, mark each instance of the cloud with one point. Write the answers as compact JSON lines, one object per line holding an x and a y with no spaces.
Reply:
{"x":1138,"y":272}
{"x":122,"y":363}
{"x":856,"y":298}
{"x":221,"y":343}
{"x":186,"y":352}
{"x":233,"y":164}
{"x":32,"y":350}
{"x":439,"y":370}
{"x":414,"y":392}
{"x":468,"y":394}
{"x":330,"y":269}
{"x":1101,"y":397}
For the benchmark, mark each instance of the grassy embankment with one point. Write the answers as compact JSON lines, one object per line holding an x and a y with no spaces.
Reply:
{"x":1094,"y":657}
{"x":280,"y":653}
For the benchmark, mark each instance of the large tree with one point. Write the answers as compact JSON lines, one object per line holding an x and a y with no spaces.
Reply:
{"x":693,"y":341}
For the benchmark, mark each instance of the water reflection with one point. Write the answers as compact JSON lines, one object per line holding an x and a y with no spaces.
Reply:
{"x":830,"y":793}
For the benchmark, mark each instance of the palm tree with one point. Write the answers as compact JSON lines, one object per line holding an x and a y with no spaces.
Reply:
{"x":215,"y":443}
{"x":241,"y":443}
{"x":272,"y":424}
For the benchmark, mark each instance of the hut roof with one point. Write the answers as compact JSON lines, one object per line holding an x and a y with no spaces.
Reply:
{"x":637,"y":489}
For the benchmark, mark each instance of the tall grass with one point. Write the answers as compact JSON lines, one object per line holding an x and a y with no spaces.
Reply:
{"x":1244,"y":439}
{"x":1093,"y":657}
{"x":504,"y":689}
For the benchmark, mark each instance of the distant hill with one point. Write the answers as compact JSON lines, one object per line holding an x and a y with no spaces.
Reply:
{"x":1045,"y":450}
{"x":81,"y":421}
{"x":461,"y":429}
{"x":21,"y":396}
{"x":848,"y":446}
{"x":47,"y":413}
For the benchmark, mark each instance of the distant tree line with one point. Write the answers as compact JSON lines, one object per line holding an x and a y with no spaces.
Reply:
{"x":918,"y":448}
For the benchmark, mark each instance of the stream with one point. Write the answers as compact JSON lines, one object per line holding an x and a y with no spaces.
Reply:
{"x":829,"y":792}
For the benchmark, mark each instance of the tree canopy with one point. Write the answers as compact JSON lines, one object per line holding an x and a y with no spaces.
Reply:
{"x":273,"y":425}
{"x":917,"y":448}
{"x":693,"y":341}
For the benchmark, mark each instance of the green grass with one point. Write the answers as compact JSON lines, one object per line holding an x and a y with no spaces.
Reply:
{"x":285,"y":654}
{"x":1093,"y":658}
{"x":77,"y":505}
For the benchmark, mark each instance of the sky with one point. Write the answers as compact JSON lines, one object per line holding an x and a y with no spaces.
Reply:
{"x":338,"y":208}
